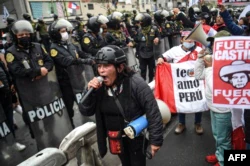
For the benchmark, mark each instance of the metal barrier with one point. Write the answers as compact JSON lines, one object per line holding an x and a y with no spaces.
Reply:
{"x":75,"y":149}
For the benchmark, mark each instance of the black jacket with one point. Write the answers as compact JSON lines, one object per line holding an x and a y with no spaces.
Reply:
{"x":5,"y":79}
{"x":138,"y":100}
{"x":64,"y":57}
{"x":91,"y":44}
{"x":185,"y":21}
{"x":36,"y":58}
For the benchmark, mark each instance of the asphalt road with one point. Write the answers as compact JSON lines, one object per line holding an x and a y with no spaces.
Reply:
{"x":185,"y":149}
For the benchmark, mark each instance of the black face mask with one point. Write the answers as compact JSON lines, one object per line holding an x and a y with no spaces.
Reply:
{"x":25,"y":42}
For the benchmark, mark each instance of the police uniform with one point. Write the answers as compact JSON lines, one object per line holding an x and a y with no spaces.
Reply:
{"x":145,"y":39}
{"x":36,"y":57}
{"x":5,"y":95}
{"x":41,"y":28}
{"x":65,"y":56}
{"x":116,"y":37}
{"x":91,"y":43}
{"x":79,"y":28}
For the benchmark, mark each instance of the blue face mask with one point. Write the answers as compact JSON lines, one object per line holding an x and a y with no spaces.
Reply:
{"x":188,"y":45}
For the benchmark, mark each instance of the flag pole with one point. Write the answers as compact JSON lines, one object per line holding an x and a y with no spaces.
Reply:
{"x":65,"y":9}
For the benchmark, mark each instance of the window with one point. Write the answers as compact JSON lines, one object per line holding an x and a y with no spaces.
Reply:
{"x":159,"y":5}
{"x":133,"y":6}
{"x":91,"y":6}
{"x":123,"y":6}
{"x":40,"y":9}
{"x":146,"y":1}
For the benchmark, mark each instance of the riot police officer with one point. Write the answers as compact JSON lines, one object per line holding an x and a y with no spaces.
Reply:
{"x":92,"y":41}
{"x":79,"y":28}
{"x":30,"y":65}
{"x":6,"y":101}
{"x":67,"y":60}
{"x":146,"y":39}
{"x":114,"y":35}
{"x":160,"y":18}
{"x":42,"y":34}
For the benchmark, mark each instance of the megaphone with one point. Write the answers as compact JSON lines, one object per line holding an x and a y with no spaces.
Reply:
{"x":135,"y":127}
{"x":198,"y":35}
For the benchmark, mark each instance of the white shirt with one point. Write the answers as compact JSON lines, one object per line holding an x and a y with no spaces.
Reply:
{"x":200,"y":72}
{"x":177,"y":53}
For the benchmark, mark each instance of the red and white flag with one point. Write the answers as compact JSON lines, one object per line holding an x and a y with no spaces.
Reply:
{"x":73,"y":5}
{"x":177,"y":86}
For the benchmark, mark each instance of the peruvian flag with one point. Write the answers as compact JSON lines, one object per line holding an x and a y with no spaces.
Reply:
{"x":178,"y":88}
{"x":73,"y":5}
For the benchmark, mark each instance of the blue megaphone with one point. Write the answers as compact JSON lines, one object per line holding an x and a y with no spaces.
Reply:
{"x":135,"y":127}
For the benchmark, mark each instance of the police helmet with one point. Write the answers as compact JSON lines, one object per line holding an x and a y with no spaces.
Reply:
{"x":183,"y":9}
{"x":114,"y":20}
{"x":94,"y":23}
{"x":111,"y":54}
{"x":144,"y":18}
{"x":22,"y":25}
{"x":214,"y":12}
{"x":26,"y":16}
{"x":230,"y":11}
{"x":55,"y":28}
{"x":55,"y":17}
{"x":78,"y":18}
{"x":197,"y":10}
{"x":161,"y":15}
{"x":89,"y":15}
{"x":40,"y":20}
{"x":10,"y":20}
{"x":248,"y":14}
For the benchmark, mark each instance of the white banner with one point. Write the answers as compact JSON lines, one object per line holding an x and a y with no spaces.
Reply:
{"x":177,"y":86}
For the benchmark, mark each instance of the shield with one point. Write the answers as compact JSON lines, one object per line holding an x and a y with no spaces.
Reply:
{"x":79,"y":76}
{"x":43,"y":105}
{"x":159,"y":49}
{"x":8,"y":155}
{"x":131,"y":59}
{"x":166,"y":42}
{"x":176,"y":40}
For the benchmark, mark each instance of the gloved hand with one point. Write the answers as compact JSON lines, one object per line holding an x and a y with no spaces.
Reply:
{"x":87,"y":61}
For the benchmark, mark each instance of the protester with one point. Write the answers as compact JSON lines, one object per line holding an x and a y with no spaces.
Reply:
{"x":220,"y":117}
{"x":123,"y":97}
{"x":184,"y":52}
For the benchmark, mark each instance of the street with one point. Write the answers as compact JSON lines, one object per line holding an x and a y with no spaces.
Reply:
{"x":185,"y":149}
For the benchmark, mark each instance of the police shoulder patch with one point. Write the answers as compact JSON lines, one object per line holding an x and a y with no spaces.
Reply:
{"x":40,"y":62}
{"x":9,"y":57}
{"x":53,"y":52}
{"x":86,"y":40}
